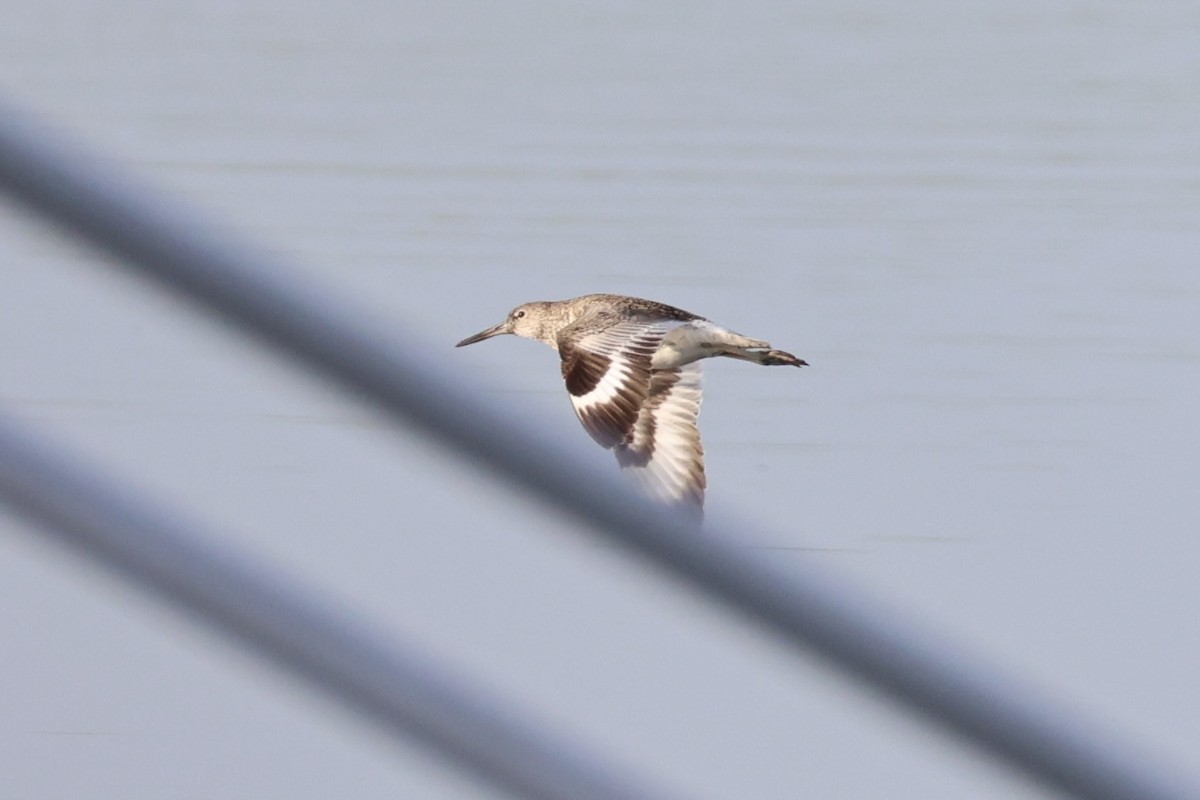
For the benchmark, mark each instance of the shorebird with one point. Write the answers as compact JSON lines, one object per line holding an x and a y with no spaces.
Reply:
{"x":630,"y":368}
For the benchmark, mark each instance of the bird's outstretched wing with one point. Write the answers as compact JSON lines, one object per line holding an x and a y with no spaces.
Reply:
{"x":647,"y":417}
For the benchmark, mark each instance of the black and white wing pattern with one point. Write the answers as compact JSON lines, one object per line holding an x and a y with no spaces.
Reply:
{"x":647,"y":417}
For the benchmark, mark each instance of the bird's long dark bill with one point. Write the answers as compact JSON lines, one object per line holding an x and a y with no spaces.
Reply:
{"x":495,"y":330}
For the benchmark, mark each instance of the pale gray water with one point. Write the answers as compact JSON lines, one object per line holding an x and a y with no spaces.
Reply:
{"x":979,"y":223}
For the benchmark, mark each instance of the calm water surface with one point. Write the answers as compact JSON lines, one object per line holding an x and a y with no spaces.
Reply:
{"x":979,"y":224}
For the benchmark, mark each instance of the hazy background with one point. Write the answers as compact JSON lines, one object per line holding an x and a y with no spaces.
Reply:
{"x":979,"y":222}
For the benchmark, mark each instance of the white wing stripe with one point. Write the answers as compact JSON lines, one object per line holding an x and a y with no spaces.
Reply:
{"x":615,"y":382}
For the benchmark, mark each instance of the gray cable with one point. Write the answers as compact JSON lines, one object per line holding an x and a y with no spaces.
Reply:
{"x":957,"y":690}
{"x":383,"y":680}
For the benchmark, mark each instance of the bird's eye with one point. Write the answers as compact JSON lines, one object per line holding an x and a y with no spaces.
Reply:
{"x":518,"y":314}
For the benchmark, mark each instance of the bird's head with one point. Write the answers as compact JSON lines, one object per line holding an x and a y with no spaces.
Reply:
{"x":529,"y":320}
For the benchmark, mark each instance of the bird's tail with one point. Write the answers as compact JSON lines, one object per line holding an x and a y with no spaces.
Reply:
{"x":760,"y":352}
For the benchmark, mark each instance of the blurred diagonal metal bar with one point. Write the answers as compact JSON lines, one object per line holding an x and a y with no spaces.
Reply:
{"x":960,"y":691}
{"x":259,"y":608}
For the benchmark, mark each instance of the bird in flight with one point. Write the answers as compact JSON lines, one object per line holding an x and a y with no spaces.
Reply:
{"x":631,"y":369}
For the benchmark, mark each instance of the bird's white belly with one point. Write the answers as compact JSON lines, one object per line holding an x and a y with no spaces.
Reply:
{"x":693,"y":341}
